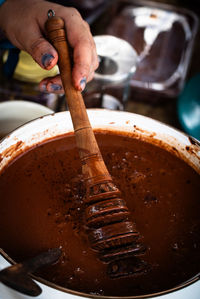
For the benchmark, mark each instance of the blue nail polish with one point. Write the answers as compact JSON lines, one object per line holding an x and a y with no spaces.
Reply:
{"x":46,"y":59}
{"x":83,"y":83}
{"x":55,"y":87}
{"x":43,"y":87}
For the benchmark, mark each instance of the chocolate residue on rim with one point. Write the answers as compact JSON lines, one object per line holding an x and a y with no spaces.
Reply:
{"x":194,"y":141}
{"x":12,"y":149}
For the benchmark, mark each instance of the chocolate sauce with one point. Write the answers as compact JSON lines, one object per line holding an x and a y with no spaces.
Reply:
{"x":42,"y":206}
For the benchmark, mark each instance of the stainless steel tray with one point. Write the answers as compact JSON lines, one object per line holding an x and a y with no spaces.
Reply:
{"x":162,"y":35}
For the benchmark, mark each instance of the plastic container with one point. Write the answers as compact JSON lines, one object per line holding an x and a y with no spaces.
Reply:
{"x":188,"y":107}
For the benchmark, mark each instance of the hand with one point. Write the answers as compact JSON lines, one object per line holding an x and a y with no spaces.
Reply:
{"x":23,"y":23}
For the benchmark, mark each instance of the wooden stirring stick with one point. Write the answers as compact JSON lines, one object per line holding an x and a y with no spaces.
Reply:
{"x":110,"y":231}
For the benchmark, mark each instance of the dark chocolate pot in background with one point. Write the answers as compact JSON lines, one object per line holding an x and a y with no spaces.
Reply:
{"x":42,"y":207}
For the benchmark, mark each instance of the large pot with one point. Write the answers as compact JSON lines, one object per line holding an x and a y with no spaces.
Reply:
{"x":142,"y":127}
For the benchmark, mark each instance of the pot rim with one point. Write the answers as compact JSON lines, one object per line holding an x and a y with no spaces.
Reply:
{"x":134,"y":125}
{"x":130,"y":124}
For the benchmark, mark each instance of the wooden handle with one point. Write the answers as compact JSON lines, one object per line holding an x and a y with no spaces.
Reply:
{"x":106,"y":212}
{"x":93,"y":166}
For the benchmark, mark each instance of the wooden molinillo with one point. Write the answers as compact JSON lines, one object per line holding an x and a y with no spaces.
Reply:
{"x":111,"y":232}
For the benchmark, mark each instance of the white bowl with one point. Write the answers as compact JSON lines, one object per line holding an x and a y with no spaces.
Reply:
{"x":16,"y":113}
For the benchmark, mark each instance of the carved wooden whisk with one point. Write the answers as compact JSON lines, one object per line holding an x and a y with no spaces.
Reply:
{"x":111,"y":232}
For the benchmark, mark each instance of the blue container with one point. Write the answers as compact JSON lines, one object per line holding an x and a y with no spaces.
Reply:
{"x":189,"y":107}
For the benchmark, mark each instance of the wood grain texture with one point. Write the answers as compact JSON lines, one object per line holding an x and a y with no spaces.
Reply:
{"x":93,"y":166}
{"x":106,"y":214}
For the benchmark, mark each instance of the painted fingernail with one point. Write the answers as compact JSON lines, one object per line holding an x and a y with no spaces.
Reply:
{"x":43,"y":87}
{"x":55,"y":87}
{"x":46,"y":59}
{"x":83,"y":83}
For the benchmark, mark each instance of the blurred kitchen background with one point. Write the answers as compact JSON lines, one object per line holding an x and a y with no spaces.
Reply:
{"x":149,"y":54}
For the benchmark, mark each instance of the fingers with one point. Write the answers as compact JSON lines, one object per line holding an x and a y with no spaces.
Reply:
{"x":52,"y":84}
{"x":19,"y":20}
{"x":39,"y":48}
{"x":84,"y":63}
{"x":24,"y":24}
{"x":84,"y":55}
{"x":85,"y":60}
{"x":43,"y":53}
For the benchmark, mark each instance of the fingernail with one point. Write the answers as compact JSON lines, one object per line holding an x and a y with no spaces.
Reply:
{"x":55,"y":87}
{"x":43,"y":87}
{"x":46,"y":59}
{"x":83,"y":83}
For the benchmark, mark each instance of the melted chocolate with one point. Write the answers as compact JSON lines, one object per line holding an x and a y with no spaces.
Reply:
{"x":42,"y":206}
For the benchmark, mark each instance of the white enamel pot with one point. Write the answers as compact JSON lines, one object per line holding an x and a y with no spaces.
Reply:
{"x":139,"y":126}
